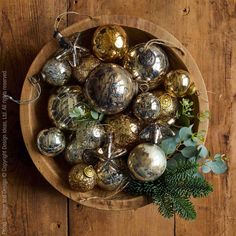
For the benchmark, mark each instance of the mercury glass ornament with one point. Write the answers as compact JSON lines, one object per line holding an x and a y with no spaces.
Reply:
{"x":109,"y":88}
{"x":62,"y":104}
{"x":74,"y":153}
{"x":90,"y":134}
{"x":86,"y":65}
{"x":51,"y":142}
{"x":82,"y":177}
{"x":147,"y":162}
{"x":147,"y":66}
{"x":177,"y":83}
{"x":56,"y":73}
{"x":125,"y":129}
{"x":146,"y":107}
{"x":110,"y":43}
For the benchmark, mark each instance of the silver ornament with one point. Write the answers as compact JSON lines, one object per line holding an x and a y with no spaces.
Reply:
{"x":90,"y":134}
{"x":147,"y":65}
{"x":146,"y":107}
{"x":147,"y":162}
{"x":51,"y":142}
{"x":56,"y":73}
{"x":74,"y":153}
{"x":62,"y":103}
{"x":110,"y":88}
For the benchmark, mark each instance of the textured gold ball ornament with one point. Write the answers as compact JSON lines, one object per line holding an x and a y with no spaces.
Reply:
{"x":62,"y":103}
{"x":110,"y":43}
{"x":177,"y":83}
{"x":56,"y":73}
{"x":51,"y":142}
{"x":147,"y":162}
{"x":168,"y":104}
{"x":86,"y":65}
{"x":125,"y":129}
{"x":146,"y":107}
{"x":109,"y":88}
{"x":147,"y":65}
{"x":74,"y":153}
{"x":82,"y":177}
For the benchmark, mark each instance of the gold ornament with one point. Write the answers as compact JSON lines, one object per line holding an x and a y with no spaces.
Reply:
{"x":168,"y":104}
{"x":86,"y":65}
{"x":147,"y":65}
{"x":74,"y":153}
{"x":177,"y":83}
{"x":109,"y":88}
{"x":82,"y":177}
{"x":110,"y":43}
{"x":147,"y":162}
{"x":125,"y":129}
{"x":62,"y":103}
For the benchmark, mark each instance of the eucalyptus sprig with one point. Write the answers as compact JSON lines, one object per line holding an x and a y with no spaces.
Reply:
{"x":185,"y":111}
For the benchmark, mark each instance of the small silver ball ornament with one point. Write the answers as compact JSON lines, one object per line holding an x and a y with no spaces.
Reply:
{"x":51,"y":142}
{"x":74,"y":153}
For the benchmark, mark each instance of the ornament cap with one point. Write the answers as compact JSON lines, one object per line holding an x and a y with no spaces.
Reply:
{"x":89,"y":171}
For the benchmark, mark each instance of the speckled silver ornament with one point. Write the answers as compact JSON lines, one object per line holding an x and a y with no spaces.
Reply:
{"x":74,"y":153}
{"x":56,"y":73}
{"x":146,"y":107}
{"x":147,"y":162}
{"x":51,"y":142}
{"x":110,"y":88}
{"x":147,"y":66}
{"x":62,"y":103}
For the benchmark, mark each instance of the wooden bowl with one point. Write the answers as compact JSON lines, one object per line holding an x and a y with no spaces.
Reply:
{"x":34,"y":116}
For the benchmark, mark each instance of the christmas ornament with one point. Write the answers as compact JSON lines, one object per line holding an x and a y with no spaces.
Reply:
{"x":86,"y":65}
{"x":62,"y":104}
{"x":55,"y":72}
{"x":146,"y":107}
{"x":124,"y":128}
{"x":156,"y":132}
{"x":109,"y":88}
{"x":168,"y":104}
{"x":82,"y":177}
{"x":147,"y":162}
{"x":147,"y":64}
{"x":51,"y":142}
{"x":177,"y":83}
{"x":74,"y":153}
{"x":110,"y":43}
{"x":107,"y":169}
{"x":90,"y":134}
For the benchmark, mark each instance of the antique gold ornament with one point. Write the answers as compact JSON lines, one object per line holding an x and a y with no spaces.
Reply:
{"x":110,"y":43}
{"x":51,"y":142}
{"x":177,"y":83}
{"x":109,"y":88}
{"x":74,"y":153}
{"x":82,"y":177}
{"x":62,"y":103}
{"x":147,"y":65}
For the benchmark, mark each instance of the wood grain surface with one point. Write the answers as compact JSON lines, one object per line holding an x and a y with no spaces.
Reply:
{"x":208,"y":29}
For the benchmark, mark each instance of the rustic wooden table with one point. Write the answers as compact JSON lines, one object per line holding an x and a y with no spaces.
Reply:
{"x":208,"y":29}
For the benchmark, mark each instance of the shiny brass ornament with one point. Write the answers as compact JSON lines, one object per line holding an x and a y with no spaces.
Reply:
{"x":74,"y":153}
{"x":110,"y":43}
{"x":147,"y":65}
{"x":82,"y":178}
{"x":86,"y":65}
{"x":147,"y":162}
{"x":177,"y":83}
{"x":56,"y":73}
{"x":124,"y":128}
{"x":146,"y":107}
{"x":109,"y":88}
{"x":51,"y":142}
{"x":90,"y":134}
{"x":62,"y":103}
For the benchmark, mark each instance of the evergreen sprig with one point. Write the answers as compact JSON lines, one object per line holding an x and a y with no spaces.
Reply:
{"x":171,"y":192}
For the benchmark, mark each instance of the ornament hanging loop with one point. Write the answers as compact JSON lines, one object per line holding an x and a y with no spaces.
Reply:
{"x":164,"y":43}
{"x":34,"y":81}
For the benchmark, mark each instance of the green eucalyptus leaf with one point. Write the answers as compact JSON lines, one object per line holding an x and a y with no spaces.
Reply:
{"x":219,"y":167}
{"x":205,"y":169}
{"x":189,"y":151}
{"x":218,"y":157}
{"x":101,"y":116}
{"x":168,"y":145}
{"x":189,"y":142}
{"x":185,"y":133}
{"x":94,"y":115}
{"x":203,"y":152}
